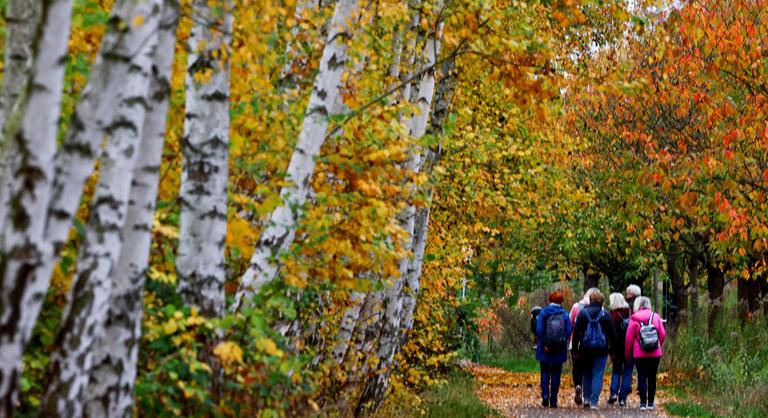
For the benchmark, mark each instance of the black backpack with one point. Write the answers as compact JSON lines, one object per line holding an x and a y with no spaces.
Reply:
{"x":554,"y":333}
{"x":624,"y":325}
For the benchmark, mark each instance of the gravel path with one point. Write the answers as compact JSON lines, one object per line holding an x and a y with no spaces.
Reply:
{"x":517,"y":395}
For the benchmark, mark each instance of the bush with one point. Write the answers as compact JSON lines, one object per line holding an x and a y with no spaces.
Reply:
{"x":728,"y":367}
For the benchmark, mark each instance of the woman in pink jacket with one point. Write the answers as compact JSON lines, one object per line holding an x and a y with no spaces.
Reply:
{"x":639,"y":345}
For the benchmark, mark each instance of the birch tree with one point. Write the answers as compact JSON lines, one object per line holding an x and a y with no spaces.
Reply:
{"x":33,"y":131}
{"x":376,"y":388}
{"x":21,"y":17}
{"x":281,"y":229}
{"x":115,"y":356}
{"x":446,"y":86}
{"x":87,"y":301}
{"x":205,"y":146}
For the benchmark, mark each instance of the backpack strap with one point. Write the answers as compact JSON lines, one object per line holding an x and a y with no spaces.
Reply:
{"x":650,"y":319}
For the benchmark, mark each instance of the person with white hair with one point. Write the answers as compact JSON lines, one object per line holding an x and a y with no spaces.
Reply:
{"x":577,"y":370}
{"x":643,"y":343}
{"x":633,"y":292}
{"x":621,"y":377}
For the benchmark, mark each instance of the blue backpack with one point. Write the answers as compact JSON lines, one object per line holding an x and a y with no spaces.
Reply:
{"x":594,"y":337}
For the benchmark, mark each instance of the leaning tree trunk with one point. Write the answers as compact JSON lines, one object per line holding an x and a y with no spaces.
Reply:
{"x":203,"y":196}
{"x":376,"y":387}
{"x":115,"y":356}
{"x":21,"y":17}
{"x":33,"y":130}
{"x":90,"y":121}
{"x":715,"y":287}
{"x":279,"y":234}
{"x":443,"y":97}
{"x":87,"y":301}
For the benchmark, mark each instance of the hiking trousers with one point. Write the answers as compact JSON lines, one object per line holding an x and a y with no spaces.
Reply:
{"x":646,"y":378}
{"x":621,"y":377}
{"x":594,"y":368}
{"x":577,"y":371}
{"x":550,"y":381}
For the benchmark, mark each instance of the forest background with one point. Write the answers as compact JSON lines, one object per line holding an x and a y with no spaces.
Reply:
{"x":239,"y":208}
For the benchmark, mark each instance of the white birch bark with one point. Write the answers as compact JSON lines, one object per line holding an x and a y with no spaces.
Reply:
{"x":35,"y":120}
{"x":280,"y":232}
{"x":442,"y":100}
{"x":205,"y":146}
{"x":21,"y":17}
{"x":87,"y":301}
{"x":288,"y":77}
{"x":348,"y":324}
{"x":115,"y":356}
{"x":389,"y":339}
{"x":352,"y":315}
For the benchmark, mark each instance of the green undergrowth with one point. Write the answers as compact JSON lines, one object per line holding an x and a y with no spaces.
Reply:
{"x":725,"y":371}
{"x":456,"y":399}
{"x":512,"y":360}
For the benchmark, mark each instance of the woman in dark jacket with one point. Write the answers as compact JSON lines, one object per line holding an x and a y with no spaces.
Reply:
{"x":621,"y":378}
{"x":593,"y":350}
{"x":552,"y":348}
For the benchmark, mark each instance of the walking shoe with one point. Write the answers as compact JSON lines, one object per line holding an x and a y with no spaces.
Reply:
{"x":586,"y":405}
{"x":642,"y":408}
{"x":592,"y":407}
{"x":612,"y":400}
{"x":545,"y":402}
{"x":651,"y":407}
{"x":553,"y":404}
{"x":622,"y":403}
{"x":578,"y":399}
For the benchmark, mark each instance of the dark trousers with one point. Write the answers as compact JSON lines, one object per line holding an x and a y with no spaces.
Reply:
{"x":550,"y":381}
{"x":578,"y":368}
{"x":646,"y":379}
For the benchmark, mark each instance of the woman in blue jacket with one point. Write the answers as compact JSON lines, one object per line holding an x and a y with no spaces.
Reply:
{"x":553,"y":329}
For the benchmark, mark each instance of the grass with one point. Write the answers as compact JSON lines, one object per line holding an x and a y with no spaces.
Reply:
{"x":456,"y":399}
{"x":512,"y":360}
{"x":688,"y":409}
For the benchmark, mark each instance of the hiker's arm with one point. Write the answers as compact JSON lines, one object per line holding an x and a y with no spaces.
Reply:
{"x":540,"y":326}
{"x":629,"y":341}
{"x":662,"y":331}
{"x":568,"y":327}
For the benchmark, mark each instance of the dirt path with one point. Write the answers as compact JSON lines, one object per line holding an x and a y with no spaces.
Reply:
{"x":518,"y":395}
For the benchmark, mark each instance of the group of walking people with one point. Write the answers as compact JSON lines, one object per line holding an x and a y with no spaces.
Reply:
{"x":629,"y":332}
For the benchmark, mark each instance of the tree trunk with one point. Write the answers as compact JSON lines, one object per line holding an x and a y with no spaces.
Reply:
{"x":715,"y":287}
{"x":693,"y":286}
{"x":348,"y":324}
{"x":281,"y":229}
{"x":678,"y":311}
{"x":87,"y":301}
{"x":442,"y":101}
{"x":748,"y":296}
{"x":22,"y":18}
{"x":203,"y":196}
{"x":376,"y":388}
{"x":33,"y":127}
{"x":110,"y":391}
{"x":591,"y":279}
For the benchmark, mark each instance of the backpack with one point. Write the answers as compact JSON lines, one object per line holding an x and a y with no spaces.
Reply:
{"x":624,"y":325}
{"x":649,"y":335}
{"x":554,"y":333}
{"x":594,"y":337}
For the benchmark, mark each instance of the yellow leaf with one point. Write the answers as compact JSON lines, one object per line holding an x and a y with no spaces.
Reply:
{"x":229,"y":352}
{"x":268,"y":346}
